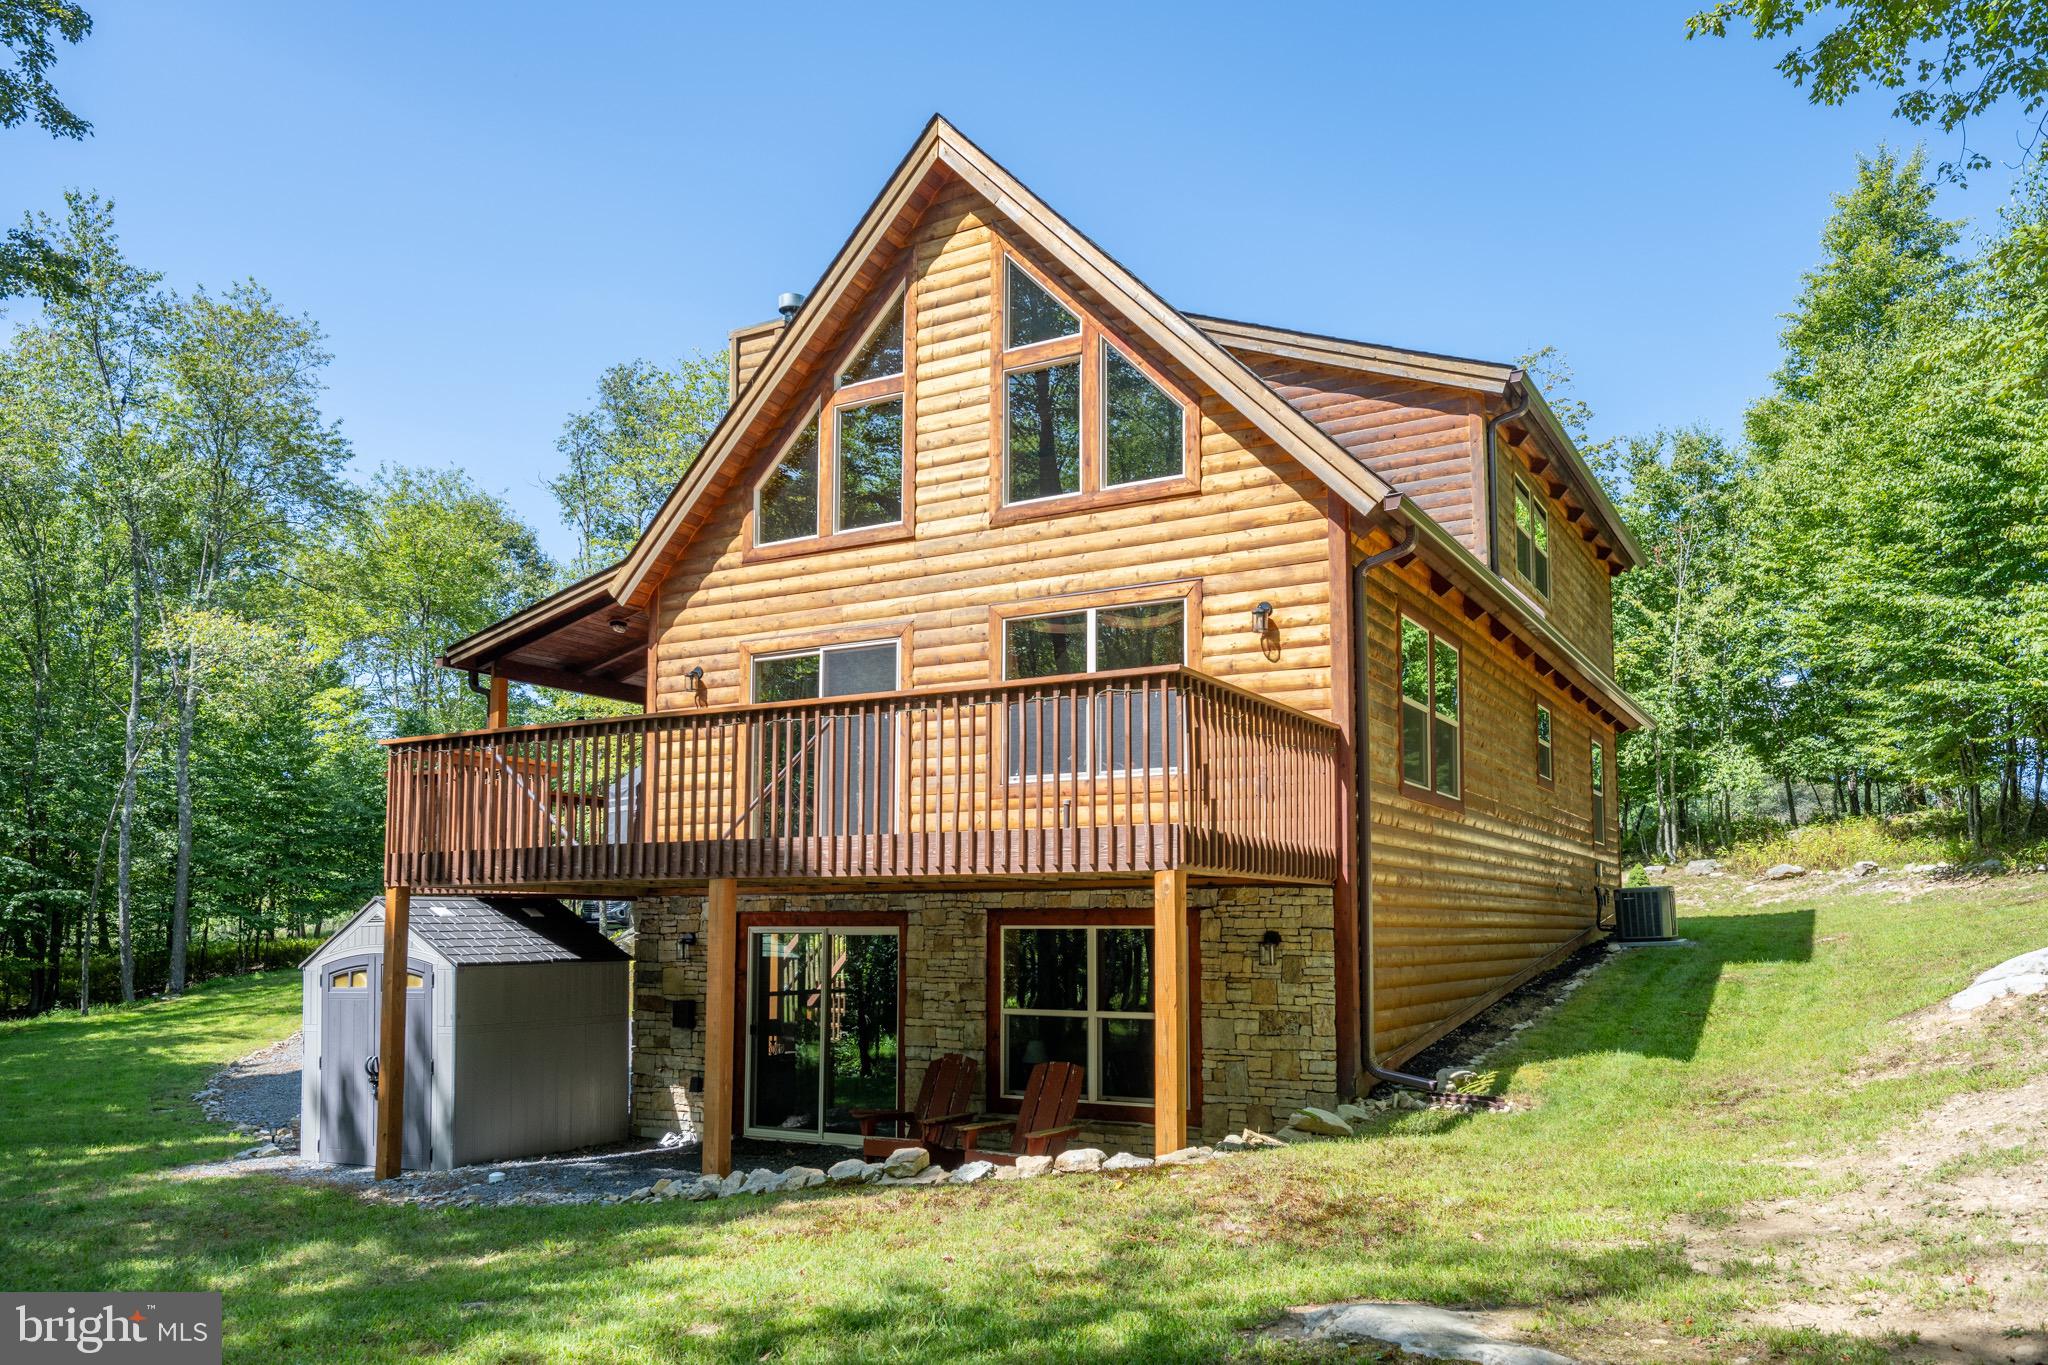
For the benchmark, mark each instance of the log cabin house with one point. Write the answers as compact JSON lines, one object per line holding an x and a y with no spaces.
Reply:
{"x":1034,"y":671}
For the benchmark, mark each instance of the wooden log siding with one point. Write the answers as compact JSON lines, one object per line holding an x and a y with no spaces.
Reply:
{"x":1468,"y":898}
{"x":1581,"y":602}
{"x":1013,"y":778}
{"x":1256,"y":529}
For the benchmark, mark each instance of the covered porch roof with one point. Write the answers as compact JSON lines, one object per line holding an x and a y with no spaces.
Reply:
{"x":580,"y":639}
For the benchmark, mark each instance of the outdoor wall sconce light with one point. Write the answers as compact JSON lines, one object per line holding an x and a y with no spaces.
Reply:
{"x":1262,"y":618}
{"x":618,"y":625}
{"x":696,"y":676}
{"x":688,"y":941}
{"x":1269,"y":947}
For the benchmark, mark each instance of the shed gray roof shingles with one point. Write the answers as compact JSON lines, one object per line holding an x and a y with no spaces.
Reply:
{"x":501,"y":929}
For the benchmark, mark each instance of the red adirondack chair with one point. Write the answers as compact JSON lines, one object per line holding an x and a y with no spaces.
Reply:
{"x":1042,"y":1125}
{"x":945,"y":1096}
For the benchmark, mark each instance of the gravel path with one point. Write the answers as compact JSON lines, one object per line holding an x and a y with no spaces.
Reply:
{"x":262,"y":1089}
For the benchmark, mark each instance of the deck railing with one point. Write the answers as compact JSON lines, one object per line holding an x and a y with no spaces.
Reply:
{"x":1132,"y":771}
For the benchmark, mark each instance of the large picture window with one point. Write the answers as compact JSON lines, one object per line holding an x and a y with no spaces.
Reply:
{"x":843,"y":471}
{"x":1079,"y":414}
{"x":1082,"y":995}
{"x":1430,"y":707}
{"x":1124,"y":730}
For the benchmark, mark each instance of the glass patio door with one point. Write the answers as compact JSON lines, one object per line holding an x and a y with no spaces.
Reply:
{"x":822,"y":1024}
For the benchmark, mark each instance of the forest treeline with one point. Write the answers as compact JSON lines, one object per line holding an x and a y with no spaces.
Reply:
{"x":210,"y":623}
{"x":211,"y":620}
{"x":1845,"y":610}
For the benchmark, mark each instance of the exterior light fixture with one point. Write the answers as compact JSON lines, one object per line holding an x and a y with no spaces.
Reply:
{"x":1262,"y":618}
{"x":618,"y":625}
{"x":1269,"y":947}
{"x":696,"y":675}
{"x":687,"y":942}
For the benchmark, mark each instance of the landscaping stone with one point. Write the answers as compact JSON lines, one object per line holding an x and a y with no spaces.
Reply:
{"x":1703,"y":867}
{"x":802,"y":1177}
{"x":1864,"y":868}
{"x":1229,"y":1145}
{"x":1290,"y":1135}
{"x":972,"y":1171}
{"x":1438,"y":1333}
{"x":762,"y":1181}
{"x":1184,"y":1156}
{"x":1251,"y":1139}
{"x":1409,"y":1099}
{"x":662,"y":1186}
{"x":1928,"y":869}
{"x":730,"y":1184}
{"x":852,"y":1171}
{"x":1355,"y":1114}
{"x":1782,"y":872}
{"x":1079,"y":1159}
{"x":496,"y":1177}
{"x":1124,"y":1161}
{"x":1320,"y":1122}
{"x":1027,"y":1166}
{"x":905,"y":1162}
{"x":930,"y":1175}
{"x":2026,"y":974}
{"x":706,"y":1188}
{"x":1984,"y":867}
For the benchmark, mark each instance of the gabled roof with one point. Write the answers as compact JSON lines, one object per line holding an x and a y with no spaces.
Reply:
{"x":941,"y":157}
{"x":942,"y":152}
{"x":496,"y":930}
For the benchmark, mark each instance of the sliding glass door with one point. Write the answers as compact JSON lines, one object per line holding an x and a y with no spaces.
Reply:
{"x":822,"y":1031}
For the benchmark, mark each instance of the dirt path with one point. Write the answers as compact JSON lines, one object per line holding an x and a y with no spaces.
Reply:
{"x":1935,"y":1244}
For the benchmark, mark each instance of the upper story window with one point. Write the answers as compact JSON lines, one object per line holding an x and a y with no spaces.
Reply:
{"x":1545,"y":767}
{"x":1599,"y":794}
{"x":1532,"y":537}
{"x":1430,"y":758}
{"x":1079,"y":414}
{"x":843,"y":470}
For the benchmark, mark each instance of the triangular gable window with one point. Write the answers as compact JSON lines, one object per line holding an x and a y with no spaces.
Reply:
{"x":1032,"y":314}
{"x":1082,"y":416}
{"x":843,"y":472}
{"x":881,"y":355}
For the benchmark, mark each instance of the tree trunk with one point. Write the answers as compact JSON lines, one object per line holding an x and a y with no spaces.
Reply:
{"x":1791,"y":804}
{"x":124,"y":856}
{"x":181,"y":897}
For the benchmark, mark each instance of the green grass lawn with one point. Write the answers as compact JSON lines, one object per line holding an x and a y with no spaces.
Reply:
{"x":1674,"y":1084}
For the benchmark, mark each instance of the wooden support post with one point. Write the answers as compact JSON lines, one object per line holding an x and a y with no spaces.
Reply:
{"x":391,"y":1040}
{"x":1169,"y":1011}
{"x":501,"y":703}
{"x":721,"y":964}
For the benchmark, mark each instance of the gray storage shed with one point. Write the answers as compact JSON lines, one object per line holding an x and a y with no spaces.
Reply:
{"x":517,"y":1043}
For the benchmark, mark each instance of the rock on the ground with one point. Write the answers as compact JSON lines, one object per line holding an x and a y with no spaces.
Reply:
{"x":762,"y":1181}
{"x":851,"y":1171}
{"x":1251,"y":1139}
{"x":1782,"y":872}
{"x":1028,"y":1166}
{"x":1355,"y":1114}
{"x":1865,"y":867}
{"x":707,"y":1187}
{"x":1703,"y":867}
{"x":1320,"y":1122}
{"x":1439,"y":1333}
{"x":972,"y":1171}
{"x":1984,"y":867}
{"x":1125,"y":1161}
{"x":905,"y":1162}
{"x":1079,"y":1159}
{"x":930,"y":1175}
{"x":1184,"y":1156}
{"x":731,"y":1184}
{"x":1928,"y":869}
{"x":802,"y":1177}
{"x":2026,"y":974}
{"x":495,"y":1178}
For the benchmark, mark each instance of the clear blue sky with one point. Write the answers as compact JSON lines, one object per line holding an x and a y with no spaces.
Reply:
{"x":484,"y":205}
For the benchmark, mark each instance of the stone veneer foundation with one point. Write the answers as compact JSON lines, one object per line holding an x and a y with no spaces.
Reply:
{"x":1267,"y":1030}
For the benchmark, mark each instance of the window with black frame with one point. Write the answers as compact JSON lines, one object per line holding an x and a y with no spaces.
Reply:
{"x":1129,"y":728}
{"x":1082,"y":995}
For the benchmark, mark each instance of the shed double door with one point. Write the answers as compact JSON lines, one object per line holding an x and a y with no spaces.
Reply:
{"x":352,"y":993}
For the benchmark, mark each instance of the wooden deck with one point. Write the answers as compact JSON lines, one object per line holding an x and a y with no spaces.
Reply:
{"x":1133,"y":772}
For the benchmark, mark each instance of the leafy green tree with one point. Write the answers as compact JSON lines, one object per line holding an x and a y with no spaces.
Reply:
{"x":628,"y":451}
{"x":29,"y":32}
{"x":1950,"y":61}
{"x":421,"y":560}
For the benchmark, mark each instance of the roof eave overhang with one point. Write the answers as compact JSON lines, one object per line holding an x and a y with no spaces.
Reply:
{"x":1582,"y":477}
{"x":1462,"y":568}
